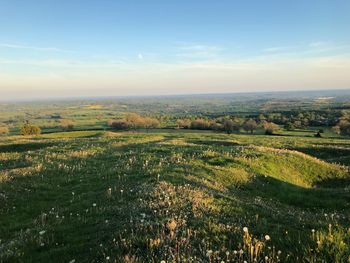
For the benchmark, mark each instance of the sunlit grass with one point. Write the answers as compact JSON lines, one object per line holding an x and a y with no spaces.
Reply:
{"x":172,"y":196}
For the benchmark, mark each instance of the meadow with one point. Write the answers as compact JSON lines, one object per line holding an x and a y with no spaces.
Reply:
{"x":174,"y":196}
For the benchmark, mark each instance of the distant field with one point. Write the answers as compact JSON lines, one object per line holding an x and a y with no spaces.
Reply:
{"x":100,"y":196}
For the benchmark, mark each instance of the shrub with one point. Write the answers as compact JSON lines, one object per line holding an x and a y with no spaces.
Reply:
{"x":28,"y":129}
{"x":4,"y":130}
{"x":66,"y":125}
{"x":270,"y":127}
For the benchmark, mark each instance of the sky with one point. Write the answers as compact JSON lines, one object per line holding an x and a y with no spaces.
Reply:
{"x":71,"y":48}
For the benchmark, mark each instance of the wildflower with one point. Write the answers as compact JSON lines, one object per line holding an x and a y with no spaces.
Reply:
{"x":209,"y":252}
{"x":94,"y":204}
{"x":313,"y":230}
{"x":266,"y":258}
{"x":107,"y":258}
{"x":163,"y":261}
{"x":72,"y":261}
{"x":241,"y":251}
{"x":245,"y":229}
{"x":42,"y":232}
{"x":267,"y":237}
{"x":235,"y":252}
{"x":227,"y":253}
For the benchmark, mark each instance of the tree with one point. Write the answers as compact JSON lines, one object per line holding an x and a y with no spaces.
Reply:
{"x":261,"y":118}
{"x":270,"y":127}
{"x":344,"y":127}
{"x":135,"y":120}
{"x":228,"y":126}
{"x":336,"y":129}
{"x":297,"y":124}
{"x":4,"y":130}
{"x":289,"y":126}
{"x":66,"y":125}
{"x":150,"y":123}
{"x":213,"y":125}
{"x":183,"y":123}
{"x":250,"y":125}
{"x":318,"y":135}
{"x":28,"y":129}
{"x":199,"y":124}
{"x":237,"y":124}
{"x":119,"y":124}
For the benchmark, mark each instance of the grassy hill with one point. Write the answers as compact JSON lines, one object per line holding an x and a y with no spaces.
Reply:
{"x":174,"y":196}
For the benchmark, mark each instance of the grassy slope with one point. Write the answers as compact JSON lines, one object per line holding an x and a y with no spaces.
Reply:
{"x":135,"y":196}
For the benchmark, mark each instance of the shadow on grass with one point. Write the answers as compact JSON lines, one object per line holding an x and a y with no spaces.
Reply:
{"x":325,"y":152}
{"x":213,"y":142}
{"x":13,"y":164}
{"x":23,"y":147}
{"x":294,"y":195}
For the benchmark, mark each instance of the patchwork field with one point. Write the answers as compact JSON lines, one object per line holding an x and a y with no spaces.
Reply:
{"x":174,"y":196}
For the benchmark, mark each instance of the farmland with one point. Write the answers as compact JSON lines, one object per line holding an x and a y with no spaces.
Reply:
{"x":103,"y":196}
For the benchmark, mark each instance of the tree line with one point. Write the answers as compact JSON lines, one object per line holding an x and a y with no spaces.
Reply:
{"x":133,"y":121}
{"x":228,"y":124}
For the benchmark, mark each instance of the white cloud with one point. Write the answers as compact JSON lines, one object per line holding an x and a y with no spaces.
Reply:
{"x":140,"y":56}
{"x":16,"y":46}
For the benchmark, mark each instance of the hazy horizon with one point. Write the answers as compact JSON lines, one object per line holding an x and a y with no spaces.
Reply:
{"x":106,"y":48}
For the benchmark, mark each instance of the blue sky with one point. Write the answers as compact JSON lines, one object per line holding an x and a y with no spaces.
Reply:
{"x":55,"y":48}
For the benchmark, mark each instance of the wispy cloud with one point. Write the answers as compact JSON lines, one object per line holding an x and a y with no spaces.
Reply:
{"x":189,"y":50}
{"x":277,"y":49}
{"x":17,"y":46}
{"x":318,"y":44}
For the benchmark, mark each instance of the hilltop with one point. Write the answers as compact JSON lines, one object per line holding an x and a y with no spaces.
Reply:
{"x":174,"y":196}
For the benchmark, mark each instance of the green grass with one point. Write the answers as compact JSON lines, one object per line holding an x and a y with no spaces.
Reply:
{"x":95,"y":196}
